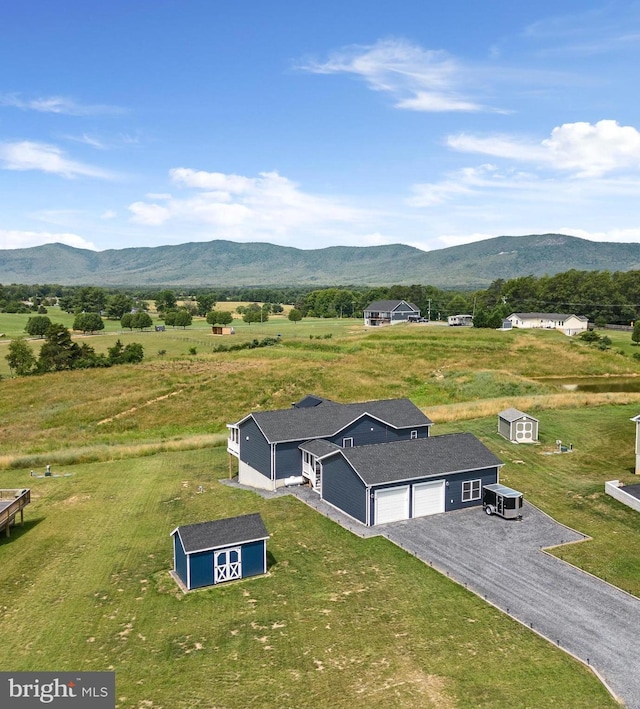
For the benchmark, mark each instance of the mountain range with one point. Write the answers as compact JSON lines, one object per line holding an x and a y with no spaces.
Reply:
{"x":226,"y":263}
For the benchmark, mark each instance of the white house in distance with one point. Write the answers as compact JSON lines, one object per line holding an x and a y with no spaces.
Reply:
{"x":568,"y":323}
{"x":390,"y":312}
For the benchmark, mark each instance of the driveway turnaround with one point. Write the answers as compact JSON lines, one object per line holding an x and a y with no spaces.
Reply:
{"x":502,"y":561}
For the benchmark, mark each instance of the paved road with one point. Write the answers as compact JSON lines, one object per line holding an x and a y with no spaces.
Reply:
{"x":502,"y":561}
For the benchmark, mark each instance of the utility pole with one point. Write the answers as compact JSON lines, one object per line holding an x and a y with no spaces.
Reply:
{"x":429,"y":310}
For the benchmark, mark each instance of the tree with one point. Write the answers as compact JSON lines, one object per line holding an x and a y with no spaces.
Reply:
{"x":141,"y":320}
{"x":206,"y":302}
{"x":183,"y":318}
{"x":58,"y":351}
{"x":37,"y":325}
{"x":170,"y":317}
{"x":254,"y":313}
{"x":133,"y":353}
{"x":88,"y":322}
{"x":118,"y":305}
{"x":295,"y":315}
{"x":635,"y":335}
{"x":20,"y":357}
{"x":219,"y":317}
{"x":127,"y":321}
{"x":166,"y":300}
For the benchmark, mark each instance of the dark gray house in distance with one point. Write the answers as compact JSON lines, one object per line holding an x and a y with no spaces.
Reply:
{"x":374,"y":461}
{"x":389,"y":312}
{"x":209,"y":553}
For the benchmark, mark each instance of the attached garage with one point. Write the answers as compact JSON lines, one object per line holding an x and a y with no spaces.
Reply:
{"x":390,"y":482}
{"x":391,"y":504}
{"x":428,"y":498}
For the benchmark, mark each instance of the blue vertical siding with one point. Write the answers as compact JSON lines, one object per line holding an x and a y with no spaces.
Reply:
{"x":181,"y":559}
{"x":453,"y":493}
{"x":253,"y":559}
{"x":254,"y":448}
{"x":367,"y":430}
{"x":343,"y":488}
{"x":288,"y":459}
{"x":201,"y":569}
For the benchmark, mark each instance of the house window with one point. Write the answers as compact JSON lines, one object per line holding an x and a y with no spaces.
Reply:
{"x":414,"y":434}
{"x":347,"y":442}
{"x":471,"y":490}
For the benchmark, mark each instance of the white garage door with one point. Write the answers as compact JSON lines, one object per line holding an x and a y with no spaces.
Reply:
{"x":428,"y":498}
{"x":391,"y":504}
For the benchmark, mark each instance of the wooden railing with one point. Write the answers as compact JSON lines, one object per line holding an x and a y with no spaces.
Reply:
{"x":19,"y":500}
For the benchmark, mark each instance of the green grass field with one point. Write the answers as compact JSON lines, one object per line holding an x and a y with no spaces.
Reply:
{"x":339,"y":621}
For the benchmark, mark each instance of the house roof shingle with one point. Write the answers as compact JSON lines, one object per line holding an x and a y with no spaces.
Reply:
{"x":548,"y":316}
{"x":419,"y":458}
{"x":221,"y":532}
{"x":389,"y":305}
{"x":327,"y":419}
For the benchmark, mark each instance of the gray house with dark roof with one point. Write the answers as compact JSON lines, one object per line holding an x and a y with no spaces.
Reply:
{"x":389,"y":312}
{"x":209,"y":553}
{"x":374,"y":461}
{"x":267,"y":443}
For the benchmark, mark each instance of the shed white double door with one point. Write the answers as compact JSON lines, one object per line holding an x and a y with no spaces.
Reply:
{"x":392,"y":504}
{"x":524,"y":431}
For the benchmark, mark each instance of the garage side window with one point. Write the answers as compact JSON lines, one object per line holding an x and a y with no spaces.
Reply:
{"x":471,"y":490}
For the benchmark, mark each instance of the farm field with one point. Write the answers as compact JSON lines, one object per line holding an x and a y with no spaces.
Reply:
{"x":339,"y":621}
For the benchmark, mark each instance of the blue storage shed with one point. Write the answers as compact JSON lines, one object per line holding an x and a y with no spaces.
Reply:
{"x":209,"y":553}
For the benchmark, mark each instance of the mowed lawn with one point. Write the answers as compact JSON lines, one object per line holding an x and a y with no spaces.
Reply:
{"x":338,"y":622}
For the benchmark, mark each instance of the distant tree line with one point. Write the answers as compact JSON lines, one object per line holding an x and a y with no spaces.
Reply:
{"x":612,"y":297}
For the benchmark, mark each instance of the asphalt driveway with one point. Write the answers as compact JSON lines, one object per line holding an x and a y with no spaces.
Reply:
{"x":502,"y":561}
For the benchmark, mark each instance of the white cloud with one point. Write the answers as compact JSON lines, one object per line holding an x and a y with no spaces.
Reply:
{"x":57,"y":104}
{"x":631,"y":235}
{"x":584,"y":149}
{"x":268,"y":206}
{"x":86,"y":139}
{"x":419,"y":79}
{"x":14,"y":239}
{"x":28,"y":155}
{"x":109,"y":214}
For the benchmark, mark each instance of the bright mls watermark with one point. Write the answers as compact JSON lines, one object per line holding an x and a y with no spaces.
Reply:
{"x":59,"y":690}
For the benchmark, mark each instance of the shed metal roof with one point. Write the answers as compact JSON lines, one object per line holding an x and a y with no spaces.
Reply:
{"x":419,"y":458}
{"x":204,"y":536}
{"x":329,"y":418}
{"x":512,"y":415}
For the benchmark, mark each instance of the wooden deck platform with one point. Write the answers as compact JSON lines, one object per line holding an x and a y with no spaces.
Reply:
{"x":12,"y":502}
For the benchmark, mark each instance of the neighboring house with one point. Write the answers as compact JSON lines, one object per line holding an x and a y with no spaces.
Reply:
{"x":460,"y":320}
{"x":636,"y":420}
{"x":374,"y":461}
{"x":267,"y":443}
{"x":389,"y":312}
{"x":388,"y":482}
{"x":210,"y":553}
{"x":567,"y":323}
{"x":517,"y":427}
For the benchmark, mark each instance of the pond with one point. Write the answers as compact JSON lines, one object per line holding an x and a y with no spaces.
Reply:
{"x":593,"y":384}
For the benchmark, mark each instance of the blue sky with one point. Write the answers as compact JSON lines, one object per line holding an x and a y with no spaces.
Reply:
{"x":306,"y":124}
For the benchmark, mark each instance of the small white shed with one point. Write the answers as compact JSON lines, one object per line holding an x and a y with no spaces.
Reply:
{"x":517,"y":427}
{"x":636,"y":420}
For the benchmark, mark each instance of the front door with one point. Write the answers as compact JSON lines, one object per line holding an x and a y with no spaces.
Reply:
{"x":227,"y":565}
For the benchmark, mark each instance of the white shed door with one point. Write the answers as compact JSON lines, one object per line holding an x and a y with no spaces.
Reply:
{"x":391,"y":504}
{"x":524,"y":431}
{"x":428,"y":498}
